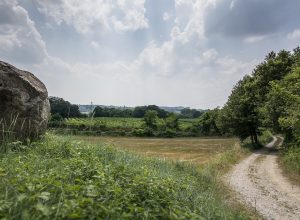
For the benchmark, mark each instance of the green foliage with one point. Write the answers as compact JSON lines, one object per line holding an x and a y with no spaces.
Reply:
{"x":291,"y":158}
{"x":288,"y":92}
{"x":240,"y":113}
{"x":56,"y":120}
{"x":64,"y":108}
{"x":140,"y":111}
{"x":124,"y":126}
{"x":268,"y":99}
{"x":265,"y":137}
{"x":190,"y":113}
{"x":172,"y":121}
{"x":151,"y":119}
{"x":207,"y":123}
{"x":56,"y":178}
{"x":112,"y":112}
{"x":56,"y":117}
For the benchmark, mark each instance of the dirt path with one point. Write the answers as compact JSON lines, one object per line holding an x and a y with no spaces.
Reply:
{"x":259,"y":183}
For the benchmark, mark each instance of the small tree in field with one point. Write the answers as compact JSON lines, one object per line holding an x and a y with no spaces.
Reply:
{"x":151,"y":118}
{"x":172,"y":121}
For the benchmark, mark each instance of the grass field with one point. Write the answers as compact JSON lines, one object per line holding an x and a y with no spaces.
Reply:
{"x":196,"y":150}
{"x":62,"y":178}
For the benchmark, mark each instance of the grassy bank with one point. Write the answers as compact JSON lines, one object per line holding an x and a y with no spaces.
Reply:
{"x":290,"y":162}
{"x":57,"y":178}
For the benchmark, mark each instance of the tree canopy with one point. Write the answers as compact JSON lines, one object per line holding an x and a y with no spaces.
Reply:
{"x":268,"y":98}
{"x":64,"y":108}
{"x":140,"y":111}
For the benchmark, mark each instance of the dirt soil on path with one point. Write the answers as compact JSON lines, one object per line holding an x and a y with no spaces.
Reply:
{"x":258,"y":181}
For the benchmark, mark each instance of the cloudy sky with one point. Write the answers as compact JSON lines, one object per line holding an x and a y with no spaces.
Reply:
{"x":136,"y":52}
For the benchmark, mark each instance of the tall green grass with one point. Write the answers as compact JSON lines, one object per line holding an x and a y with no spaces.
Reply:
{"x":57,"y":178}
{"x":291,"y":159}
{"x":290,"y":162}
{"x":7,"y":134}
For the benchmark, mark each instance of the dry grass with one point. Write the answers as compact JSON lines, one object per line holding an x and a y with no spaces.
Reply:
{"x":196,"y":150}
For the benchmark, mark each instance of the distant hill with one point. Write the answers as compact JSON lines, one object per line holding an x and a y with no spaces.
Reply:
{"x":90,"y":108}
{"x":176,"y":109}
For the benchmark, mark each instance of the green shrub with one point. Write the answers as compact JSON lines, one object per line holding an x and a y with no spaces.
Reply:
{"x":265,"y":137}
{"x":169,"y":133}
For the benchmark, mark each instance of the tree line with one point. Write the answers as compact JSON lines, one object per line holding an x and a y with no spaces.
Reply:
{"x":268,"y":98}
{"x":64,"y":109}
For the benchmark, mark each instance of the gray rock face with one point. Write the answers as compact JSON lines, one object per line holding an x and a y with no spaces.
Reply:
{"x":24,"y":104}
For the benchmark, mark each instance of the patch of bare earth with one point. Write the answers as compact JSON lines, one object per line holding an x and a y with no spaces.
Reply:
{"x":258,"y":181}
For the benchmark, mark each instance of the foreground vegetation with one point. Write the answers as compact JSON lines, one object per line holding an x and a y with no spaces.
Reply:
{"x":57,"y":178}
{"x":290,"y":161}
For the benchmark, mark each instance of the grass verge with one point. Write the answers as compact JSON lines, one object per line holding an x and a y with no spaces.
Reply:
{"x":290,"y":162}
{"x":57,"y":178}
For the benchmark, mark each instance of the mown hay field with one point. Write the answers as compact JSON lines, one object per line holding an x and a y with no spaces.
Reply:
{"x":196,"y":150}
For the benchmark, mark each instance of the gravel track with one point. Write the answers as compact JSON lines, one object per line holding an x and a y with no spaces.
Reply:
{"x":260,"y":184}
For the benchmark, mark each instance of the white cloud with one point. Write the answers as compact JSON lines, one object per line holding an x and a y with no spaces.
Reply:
{"x":232,"y":4}
{"x":97,"y":15}
{"x":254,"y":39}
{"x":162,"y":74}
{"x":295,"y":35}
{"x":190,"y":17}
{"x":94,"y":44}
{"x":180,"y":71}
{"x":19,"y":39}
{"x":210,"y":54}
{"x":146,"y":80}
{"x":166,"y":16}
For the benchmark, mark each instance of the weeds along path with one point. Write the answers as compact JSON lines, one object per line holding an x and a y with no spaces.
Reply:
{"x":259,"y":183}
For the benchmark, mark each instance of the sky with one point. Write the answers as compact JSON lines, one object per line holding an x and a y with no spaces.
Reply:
{"x":139,"y":52}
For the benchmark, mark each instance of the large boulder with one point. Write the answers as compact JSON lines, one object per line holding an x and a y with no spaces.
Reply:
{"x":24,"y":104}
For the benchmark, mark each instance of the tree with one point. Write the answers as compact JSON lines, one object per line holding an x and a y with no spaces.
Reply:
{"x":63,"y":108}
{"x":172,"y":121}
{"x":207,"y":124}
{"x":266,"y":99}
{"x":274,"y":67}
{"x":284,"y":100}
{"x":151,"y":118}
{"x":139,"y":111}
{"x":190,"y":113}
{"x":112,"y":112}
{"x":240,"y":113}
{"x":160,"y":112}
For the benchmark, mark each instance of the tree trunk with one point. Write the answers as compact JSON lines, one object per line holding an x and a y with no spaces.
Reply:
{"x":255,"y":138}
{"x":252,"y":140}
